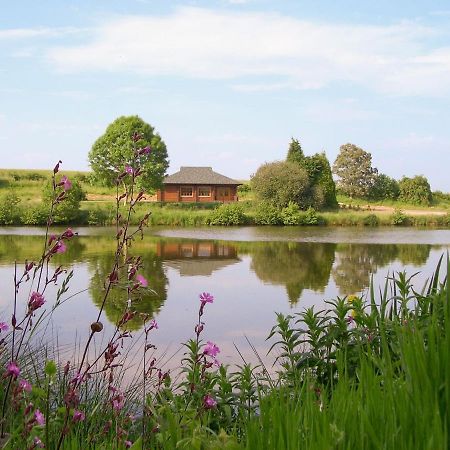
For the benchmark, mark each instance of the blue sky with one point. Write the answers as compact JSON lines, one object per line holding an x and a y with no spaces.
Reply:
{"x":227,"y":83}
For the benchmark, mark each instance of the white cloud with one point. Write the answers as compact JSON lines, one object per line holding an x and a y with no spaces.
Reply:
{"x":299,"y":54}
{"x":29,"y":33}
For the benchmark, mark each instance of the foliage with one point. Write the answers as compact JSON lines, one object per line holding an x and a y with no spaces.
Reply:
{"x":310,"y":217}
{"x":227,"y":214}
{"x":113,"y":151}
{"x":291,"y":215}
{"x":279,"y":183}
{"x":383,"y":188}
{"x":69,"y":210}
{"x":398,"y":217}
{"x":267,"y":214}
{"x":353,"y":167}
{"x":415,"y":190}
{"x":35,"y":215}
{"x":9,"y":209}
{"x":295,"y":153}
{"x":371,"y":220}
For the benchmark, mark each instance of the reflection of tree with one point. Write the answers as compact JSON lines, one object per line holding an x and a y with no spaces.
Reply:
{"x":149,"y":300}
{"x":356,"y":262}
{"x":414,"y":254}
{"x":295,"y":265}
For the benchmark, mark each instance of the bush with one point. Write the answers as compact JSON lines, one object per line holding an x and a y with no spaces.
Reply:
{"x":9,"y":209}
{"x":291,"y":215}
{"x":399,"y":218}
{"x":227,"y":214}
{"x":371,"y":220}
{"x":35,"y":216}
{"x":267,"y":214}
{"x":279,"y":183}
{"x":415,"y":190}
{"x":67,"y":211}
{"x":310,"y":217}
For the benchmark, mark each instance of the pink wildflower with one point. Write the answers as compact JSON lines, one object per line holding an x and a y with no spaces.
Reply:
{"x":25,"y":385}
{"x":38,"y":442}
{"x":145,"y":150}
{"x":154,"y":324}
{"x":209,"y":402}
{"x":39,"y":417}
{"x":65,"y":183}
{"x":36,"y":301}
{"x":211,"y":349}
{"x":118,"y":402}
{"x":12,"y":370}
{"x":206,"y":297}
{"x":142,"y":280}
{"x":78,"y":416}
{"x":128,"y":444}
{"x":4,"y":326}
{"x":60,"y":247}
{"x":68,"y":234}
{"x":129,"y":170}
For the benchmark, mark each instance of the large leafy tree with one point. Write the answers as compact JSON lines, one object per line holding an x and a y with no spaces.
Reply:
{"x":113,"y":150}
{"x":354,"y":168}
{"x":279,"y":183}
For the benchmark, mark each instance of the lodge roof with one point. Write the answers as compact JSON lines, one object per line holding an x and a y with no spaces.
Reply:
{"x":199,"y":175}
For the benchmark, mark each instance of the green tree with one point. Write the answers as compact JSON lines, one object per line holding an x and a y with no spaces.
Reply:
{"x":321,"y":178}
{"x":354,"y":168}
{"x":415,"y":190}
{"x":295,"y":152}
{"x":279,"y":183}
{"x":68,"y":210}
{"x":384,"y":187}
{"x":319,"y":172}
{"x":113,"y":150}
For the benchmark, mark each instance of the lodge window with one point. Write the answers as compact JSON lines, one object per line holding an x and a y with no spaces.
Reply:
{"x":204,"y":191}
{"x":186,"y":191}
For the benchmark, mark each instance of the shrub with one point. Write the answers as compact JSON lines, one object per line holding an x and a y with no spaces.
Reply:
{"x":36,"y":215}
{"x":371,"y":220}
{"x":399,"y":218}
{"x":9,"y":209}
{"x":267,"y":214}
{"x":310,"y":217}
{"x":279,"y":183}
{"x":227,"y":214}
{"x":415,"y":190}
{"x":291,"y":215}
{"x":69,"y":210}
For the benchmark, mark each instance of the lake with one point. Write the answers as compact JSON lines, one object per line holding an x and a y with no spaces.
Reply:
{"x":252,"y":272}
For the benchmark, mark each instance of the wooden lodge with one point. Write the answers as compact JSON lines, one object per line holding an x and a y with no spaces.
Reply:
{"x":198,"y":184}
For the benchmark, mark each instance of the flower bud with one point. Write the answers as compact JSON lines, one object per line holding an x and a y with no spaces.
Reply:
{"x":96,"y":327}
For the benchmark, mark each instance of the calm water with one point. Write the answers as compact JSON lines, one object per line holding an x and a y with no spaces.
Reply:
{"x":252,"y":272}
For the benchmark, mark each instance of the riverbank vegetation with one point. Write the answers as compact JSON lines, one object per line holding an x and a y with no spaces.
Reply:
{"x":351,"y":375}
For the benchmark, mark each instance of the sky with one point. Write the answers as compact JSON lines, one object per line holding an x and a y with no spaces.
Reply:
{"x":228,"y":83}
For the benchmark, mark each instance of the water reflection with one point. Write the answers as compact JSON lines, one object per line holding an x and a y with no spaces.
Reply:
{"x":355,"y":262}
{"x":149,"y":301}
{"x":297,"y":266}
{"x":344,"y":268}
{"x":192,"y":258}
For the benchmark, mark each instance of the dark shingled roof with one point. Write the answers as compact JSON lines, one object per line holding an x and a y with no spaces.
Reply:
{"x":198,"y":175}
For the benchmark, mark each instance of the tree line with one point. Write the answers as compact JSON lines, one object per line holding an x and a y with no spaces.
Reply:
{"x":307,"y":181}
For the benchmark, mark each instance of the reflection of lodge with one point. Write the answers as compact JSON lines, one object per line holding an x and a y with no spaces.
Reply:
{"x":196,"y":258}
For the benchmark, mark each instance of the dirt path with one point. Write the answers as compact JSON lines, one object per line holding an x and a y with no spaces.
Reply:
{"x":408,"y":212}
